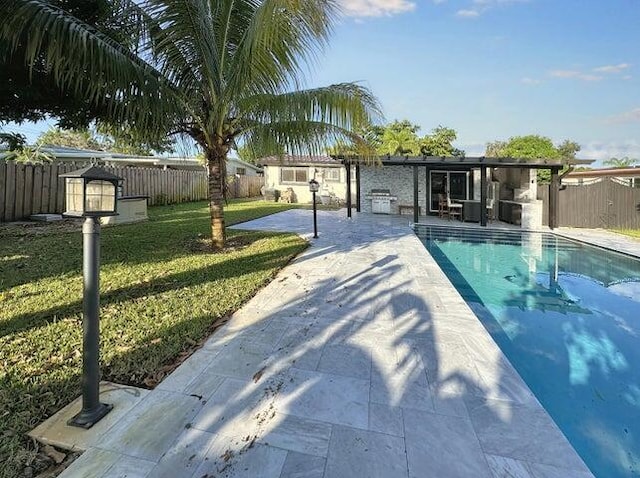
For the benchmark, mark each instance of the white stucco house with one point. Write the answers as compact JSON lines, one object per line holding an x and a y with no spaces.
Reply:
{"x":295,"y":172}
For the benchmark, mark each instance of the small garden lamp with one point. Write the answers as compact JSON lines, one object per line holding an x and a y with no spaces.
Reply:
{"x":314,"y":187}
{"x":91,"y":193}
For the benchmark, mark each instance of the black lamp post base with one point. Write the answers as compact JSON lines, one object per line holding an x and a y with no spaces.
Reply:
{"x":87,"y":418}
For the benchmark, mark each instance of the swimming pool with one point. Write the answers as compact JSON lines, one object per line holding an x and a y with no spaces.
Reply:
{"x":567,"y":315}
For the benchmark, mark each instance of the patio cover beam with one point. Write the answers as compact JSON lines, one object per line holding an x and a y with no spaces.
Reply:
{"x":450,"y":163}
{"x":416,"y":204}
{"x":483,"y":196}
{"x":348,"y":164}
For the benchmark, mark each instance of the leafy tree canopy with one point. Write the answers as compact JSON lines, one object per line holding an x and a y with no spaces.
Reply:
{"x":401,"y":138}
{"x":533,"y":147}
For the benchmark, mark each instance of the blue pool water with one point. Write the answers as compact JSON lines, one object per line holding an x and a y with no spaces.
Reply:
{"x":567,"y":315}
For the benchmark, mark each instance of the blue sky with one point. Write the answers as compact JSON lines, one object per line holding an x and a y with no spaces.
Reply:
{"x":492,"y":69}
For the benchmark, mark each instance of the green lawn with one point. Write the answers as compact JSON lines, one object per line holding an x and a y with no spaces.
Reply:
{"x":162,"y":293}
{"x":635,"y":233}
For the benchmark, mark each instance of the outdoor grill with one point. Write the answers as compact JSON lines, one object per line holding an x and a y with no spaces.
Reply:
{"x":381,"y":201}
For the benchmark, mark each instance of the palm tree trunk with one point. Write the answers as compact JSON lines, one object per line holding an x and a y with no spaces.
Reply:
{"x":215,"y":164}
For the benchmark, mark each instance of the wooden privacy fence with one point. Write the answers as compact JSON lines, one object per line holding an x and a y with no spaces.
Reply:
{"x":604,"y":204}
{"x":244,"y":186}
{"x":27,"y":189}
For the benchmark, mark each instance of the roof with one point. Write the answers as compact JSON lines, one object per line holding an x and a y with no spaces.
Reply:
{"x":596,"y":173}
{"x":293,"y":160}
{"x":244,"y":163}
{"x":439,"y":162}
{"x":92,"y":172}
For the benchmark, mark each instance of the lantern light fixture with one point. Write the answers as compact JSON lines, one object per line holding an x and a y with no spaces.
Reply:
{"x":91,"y":193}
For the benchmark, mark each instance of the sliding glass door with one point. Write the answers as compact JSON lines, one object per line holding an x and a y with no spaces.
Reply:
{"x":455,"y":182}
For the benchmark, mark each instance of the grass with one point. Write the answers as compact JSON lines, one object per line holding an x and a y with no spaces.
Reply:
{"x":162,"y":292}
{"x":635,"y":233}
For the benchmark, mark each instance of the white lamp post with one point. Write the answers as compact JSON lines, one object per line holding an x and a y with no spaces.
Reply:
{"x":91,"y":193}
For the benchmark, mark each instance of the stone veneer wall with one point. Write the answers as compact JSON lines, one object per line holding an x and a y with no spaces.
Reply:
{"x":398,"y":180}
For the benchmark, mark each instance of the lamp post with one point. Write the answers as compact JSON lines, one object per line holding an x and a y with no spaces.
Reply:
{"x":314,"y":187}
{"x":91,"y":193}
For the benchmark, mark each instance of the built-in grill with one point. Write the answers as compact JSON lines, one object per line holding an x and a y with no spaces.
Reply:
{"x":381,"y":201}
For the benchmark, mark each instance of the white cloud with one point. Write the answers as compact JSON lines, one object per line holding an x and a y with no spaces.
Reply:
{"x":578,"y":75}
{"x":530,"y":81}
{"x":619,"y":68}
{"x":376,"y":8}
{"x":632,"y":116}
{"x":605,"y":150}
{"x":478,"y":7}
{"x":468,"y":13}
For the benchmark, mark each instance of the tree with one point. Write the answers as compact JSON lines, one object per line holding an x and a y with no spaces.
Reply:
{"x":440,"y":143}
{"x":625,"y":162}
{"x":218,"y":72}
{"x":568,"y":149}
{"x":70,"y":138}
{"x":32,"y":94}
{"x":533,"y":147}
{"x":400,"y":138}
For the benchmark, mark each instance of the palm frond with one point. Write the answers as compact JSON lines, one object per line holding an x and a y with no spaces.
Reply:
{"x":89,"y":62}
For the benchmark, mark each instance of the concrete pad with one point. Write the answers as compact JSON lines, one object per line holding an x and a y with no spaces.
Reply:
{"x":364,"y":454}
{"x":185,"y":455}
{"x":55,"y":431}
{"x":150,"y":428}
{"x":94,"y":463}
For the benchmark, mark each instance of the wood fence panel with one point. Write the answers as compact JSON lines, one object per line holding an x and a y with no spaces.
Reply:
{"x":36,"y":205}
{"x":19,"y":195}
{"x":29,"y":190}
{"x":3,"y":187}
{"x":10,"y":193}
{"x":604,"y":204}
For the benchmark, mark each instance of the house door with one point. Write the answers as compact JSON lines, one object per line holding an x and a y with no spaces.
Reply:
{"x":456,"y":182}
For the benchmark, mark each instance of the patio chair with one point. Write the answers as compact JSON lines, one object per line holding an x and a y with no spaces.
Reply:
{"x":491,"y":213}
{"x":442,"y":207}
{"x":454,"y":209}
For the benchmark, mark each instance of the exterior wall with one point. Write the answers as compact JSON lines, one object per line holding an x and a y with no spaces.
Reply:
{"x":398,"y":180}
{"x":272,"y":180}
{"x":233,"y":164}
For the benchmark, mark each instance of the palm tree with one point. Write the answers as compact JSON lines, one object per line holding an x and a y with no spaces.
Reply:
{"x":223,"y":72}
{"x":625,"y":162}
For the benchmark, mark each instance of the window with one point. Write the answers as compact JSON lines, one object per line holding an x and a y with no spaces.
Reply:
{"x":241,"y":171}
{"x":332,"y":174}
{"x":294,"y":175}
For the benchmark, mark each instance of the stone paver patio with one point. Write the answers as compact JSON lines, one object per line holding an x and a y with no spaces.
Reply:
{"x":359,"y":360}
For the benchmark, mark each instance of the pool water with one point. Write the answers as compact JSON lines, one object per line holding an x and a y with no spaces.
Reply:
{"x":567,"y":315}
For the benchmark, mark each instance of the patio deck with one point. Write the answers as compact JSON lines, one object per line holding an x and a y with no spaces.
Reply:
{"x":359,"y":360}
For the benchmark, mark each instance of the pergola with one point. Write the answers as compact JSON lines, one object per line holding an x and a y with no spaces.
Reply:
{"x":467,"y":164}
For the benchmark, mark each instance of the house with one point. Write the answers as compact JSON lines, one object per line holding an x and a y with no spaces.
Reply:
{"x":295,"y":172}
{"x":235,"y":166}
{"x":626,"y":176}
